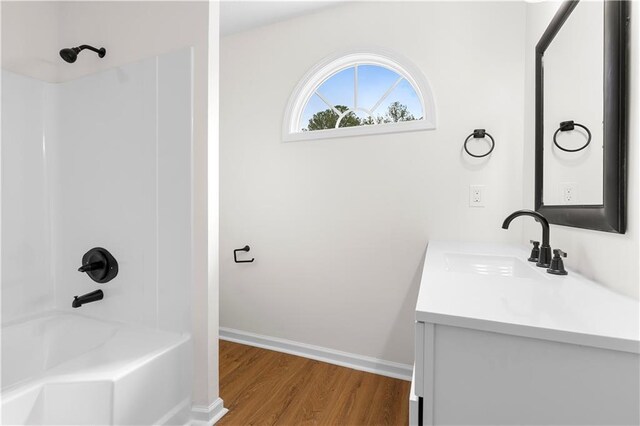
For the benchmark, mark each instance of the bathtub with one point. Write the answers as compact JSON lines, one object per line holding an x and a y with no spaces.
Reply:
{"x":63,"y":368}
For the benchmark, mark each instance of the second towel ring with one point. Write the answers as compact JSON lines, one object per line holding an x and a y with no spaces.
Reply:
{"x":479,"y":134}
{"x":566,"y":126}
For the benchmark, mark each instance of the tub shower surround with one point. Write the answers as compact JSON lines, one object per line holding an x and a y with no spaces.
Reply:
{"x":100,"y":161}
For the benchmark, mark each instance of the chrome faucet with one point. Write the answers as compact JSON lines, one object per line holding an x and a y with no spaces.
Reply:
{"x":544,"y":260}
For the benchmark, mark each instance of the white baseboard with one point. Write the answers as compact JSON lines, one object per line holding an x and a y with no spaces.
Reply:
{"x":331,"y":356}
{"x":208,"y":416}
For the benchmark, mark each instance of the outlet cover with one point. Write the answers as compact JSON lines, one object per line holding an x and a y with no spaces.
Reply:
{"x":476,"y":195}
{"x":569,"y":193}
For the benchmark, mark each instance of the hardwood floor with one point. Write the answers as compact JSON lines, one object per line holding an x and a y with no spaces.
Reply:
{"x":262,"y":387}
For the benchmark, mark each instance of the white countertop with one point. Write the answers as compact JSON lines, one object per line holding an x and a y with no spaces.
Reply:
{"x":568,"y":309}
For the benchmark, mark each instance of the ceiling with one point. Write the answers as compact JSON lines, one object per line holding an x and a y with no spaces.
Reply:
{"x":238,"y":15}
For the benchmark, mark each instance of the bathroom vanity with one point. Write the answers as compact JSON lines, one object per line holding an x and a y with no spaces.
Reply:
{"x":500,"y":341}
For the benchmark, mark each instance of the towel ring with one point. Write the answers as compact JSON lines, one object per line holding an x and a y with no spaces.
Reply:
{"x":566,"y":126}
{"x":479,"y":134}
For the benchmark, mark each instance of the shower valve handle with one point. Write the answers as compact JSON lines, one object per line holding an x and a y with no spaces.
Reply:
{"x":91,"y":266}
{"x":99,"y":265}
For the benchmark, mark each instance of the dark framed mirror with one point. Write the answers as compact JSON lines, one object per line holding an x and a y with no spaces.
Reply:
{"x":581,"y":116}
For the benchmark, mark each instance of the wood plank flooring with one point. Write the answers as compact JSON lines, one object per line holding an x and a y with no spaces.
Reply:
{"x":262,"y":387}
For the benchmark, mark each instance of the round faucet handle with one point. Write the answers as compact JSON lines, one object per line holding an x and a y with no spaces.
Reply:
{"x":535,"y":243}
{"x":558,"y":252}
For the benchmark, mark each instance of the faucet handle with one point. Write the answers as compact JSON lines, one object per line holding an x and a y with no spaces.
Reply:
{"x":557,"y":265}
{"x":535,"y":251}
{"x":558,"y":253}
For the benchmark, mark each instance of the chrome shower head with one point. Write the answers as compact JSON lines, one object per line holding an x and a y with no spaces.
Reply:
{"x":71,"y":54}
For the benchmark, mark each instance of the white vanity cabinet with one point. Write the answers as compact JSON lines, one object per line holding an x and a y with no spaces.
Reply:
{"x":500,"y":341}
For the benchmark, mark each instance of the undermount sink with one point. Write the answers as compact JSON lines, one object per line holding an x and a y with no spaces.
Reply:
{"x":500,"y":266}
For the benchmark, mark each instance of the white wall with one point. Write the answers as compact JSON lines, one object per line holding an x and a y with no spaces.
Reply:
{"x":338,"y":227}
{"x":34,"y":32}
{"x":609,"y":259}
{"x":27,"y":284}
{"x":30,"y":38}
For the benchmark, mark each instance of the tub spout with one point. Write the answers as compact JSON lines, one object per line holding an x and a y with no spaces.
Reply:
{"x":94,"y":296}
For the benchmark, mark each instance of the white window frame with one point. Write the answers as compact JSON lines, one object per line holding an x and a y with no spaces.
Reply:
{"x":307,"y":87}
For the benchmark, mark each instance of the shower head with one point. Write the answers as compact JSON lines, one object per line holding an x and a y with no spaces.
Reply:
{"x":71,"y":54}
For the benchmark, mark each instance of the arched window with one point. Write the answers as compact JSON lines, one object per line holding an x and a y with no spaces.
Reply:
{"x":357,"y":94}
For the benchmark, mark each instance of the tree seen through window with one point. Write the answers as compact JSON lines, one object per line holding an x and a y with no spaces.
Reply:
{"x":361,"y":95}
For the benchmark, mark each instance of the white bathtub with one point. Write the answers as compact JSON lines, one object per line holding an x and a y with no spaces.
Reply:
{"x":62,"y":368}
